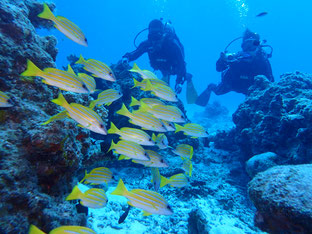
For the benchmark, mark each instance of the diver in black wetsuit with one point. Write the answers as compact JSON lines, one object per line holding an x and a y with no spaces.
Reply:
{"x":165,"y":52}
{"x":239,"y":69}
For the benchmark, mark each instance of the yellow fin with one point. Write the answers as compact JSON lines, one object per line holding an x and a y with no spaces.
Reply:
{"x":75,"y":194}
{"x":134,"y":102}
{"x":121,"y":189}
{"x":145,"y":213}
{"x":61,"y":101}
{"x":81,"y":60}
{"x":112,"y":146}
{"x":113,"y":129}
{"x":124,"y":111}
{"x":178,"y":128}
{"x":47,"y":13}
{"x":135,"y":68}
{"x":70,"y":70}
{"x":163,"y":181}
{"x":148,"y":86}
{"x":34,"y":230}
{"x":32,"y":69}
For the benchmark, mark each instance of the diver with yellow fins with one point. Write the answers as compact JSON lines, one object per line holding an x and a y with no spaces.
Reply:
{"x":166,"y":53}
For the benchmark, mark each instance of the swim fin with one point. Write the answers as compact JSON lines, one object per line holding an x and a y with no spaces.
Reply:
{"x":203,"y":99}
{"x":191,"y":93}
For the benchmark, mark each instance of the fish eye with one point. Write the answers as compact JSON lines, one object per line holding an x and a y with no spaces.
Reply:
{"x":168,"y":207}
{"x":85,"y":87}
{"x":111,"y":74}
{"x":86,"y":40}
{"x":101,"y":126}
{"x":162,"y":161}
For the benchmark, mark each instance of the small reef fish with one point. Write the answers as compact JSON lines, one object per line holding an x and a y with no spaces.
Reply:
{"x":156,"y":160}
{"x":5,"y":100}
{"x":86,"y":117}
{"x":148,"y":101}
{"x":124,"y":215}
{"x":87,"y":80}
{"x":106,"y":97}
{"x":97,"y":68}
{"x":143,"y":83}
{"x":150,"y":202}
{"x":178,"y":181}
{"x":156,"y":177}
{"x":187,"y":167}
{"x":144,"y":120}
{"x":145,"y":74}
{"x":60,"y":116}
{"x":99,"y":175}
{"x":63,"y":229}
{"x":92,"y":198}
{"x":262,"y":14}
{"x":161,"y":140}
{"x":169,"y":126}
{"x":185,"y":151}
{"x":68,"y":28}
{"x":132,"y":134}
{"x":58,"y":78}
{"x":164,"y":112}
{"x":162,"y":91}
{"x":129,"y":149}
{"x":192,"y":129}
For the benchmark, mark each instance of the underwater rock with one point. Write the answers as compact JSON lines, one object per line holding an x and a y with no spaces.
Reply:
{"x":276,"y":117}
{"x":283,"y":198}
{"x":260,"y":162}
{"x":197,"y":222}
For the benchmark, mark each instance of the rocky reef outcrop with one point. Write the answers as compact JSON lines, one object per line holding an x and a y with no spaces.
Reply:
{"x":36,"y":162}
{"x":283,"y":198}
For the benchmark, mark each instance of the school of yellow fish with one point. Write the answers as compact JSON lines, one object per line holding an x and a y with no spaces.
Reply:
{"x":151,"y":114}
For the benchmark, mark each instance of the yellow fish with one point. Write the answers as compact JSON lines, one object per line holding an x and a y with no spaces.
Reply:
{"x":185,"y":151}
{"x":187,"y":167}
{"x":86,"y":117}
{"x":60,"y":116}
{"x":99,"y":175}
{"x":87,"y":80}
{"x":192,"y":129}
{"x":106,"y":97}
{"x":148,"y":101}
{"x":145,"y":74}
{"x":178,"y":181}
{"x":162,"y":91}
{"x":5,"y":100}
{"x":97,"y":68}
{"x":161,"y":140}
{"x":92,"y":198}
{"x":144,"y":120}
{"x":156,"y":160}
{"x":143,"y":83}
{"x":164,"y":112}
{"x":129,"y":149}
{"x":150,"y":202}
{"x":58,"y":78}
{"x":62,"y":230}
{"x":132,"y":134}
{"x":68,"y":28}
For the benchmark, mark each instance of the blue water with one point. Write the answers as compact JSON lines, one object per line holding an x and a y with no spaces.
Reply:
{"x":204,"y":28}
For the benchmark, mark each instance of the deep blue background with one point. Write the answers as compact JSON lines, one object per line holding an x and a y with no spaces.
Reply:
{"x":204,"y":27}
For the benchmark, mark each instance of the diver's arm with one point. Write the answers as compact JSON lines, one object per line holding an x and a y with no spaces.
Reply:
{"x":142,"y":48}
{"x":221,"y":64}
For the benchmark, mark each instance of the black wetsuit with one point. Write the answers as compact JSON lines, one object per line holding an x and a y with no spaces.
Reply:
{"x":166,"y":55}
{"x":239,"y":75}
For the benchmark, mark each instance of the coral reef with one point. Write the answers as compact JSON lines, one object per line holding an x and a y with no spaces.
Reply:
{"x":283,"y":198}
{"x":38,"y":163}
{"x":260,"y":162}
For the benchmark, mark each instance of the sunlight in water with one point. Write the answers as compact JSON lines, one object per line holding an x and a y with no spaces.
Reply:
{"x":160,"y":6}
{"x":241,"y":7}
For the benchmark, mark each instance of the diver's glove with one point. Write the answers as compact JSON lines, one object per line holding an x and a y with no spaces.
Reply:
{"x":124,"y":60}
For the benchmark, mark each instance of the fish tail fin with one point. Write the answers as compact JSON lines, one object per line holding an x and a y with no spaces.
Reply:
{"x":124,"y":111}
{"x":75,"y":194}
{"x":148,"y":86}
{"x":136,"y":83}
{"x":92,"y":104}
{"x":154,"y":137}
{"x":47,"y":13}
{"x":32,"y":69}
{"x":61,"y":101}
{"x":144,"y":107}
{"x":112,"y":146}
{"x":191,"y":169}
{"x":121,"y":189}
{"x":34,"y":230}
{"x":134,"y":102}
{"x":192,"y":152}
{"x":135,"y":68}
{"x":163,"y":181}
{"x":113,"y":129}
{"x":178,"y":128}
{"x":86,"y":173}
{"x":81,"y":60}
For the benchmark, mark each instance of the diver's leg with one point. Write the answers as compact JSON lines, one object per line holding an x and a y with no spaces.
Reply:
{"x":191,"y":93}
{"x":204,"y":97}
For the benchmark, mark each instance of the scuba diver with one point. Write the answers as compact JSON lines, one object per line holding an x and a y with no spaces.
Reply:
{"x":239,"y":69}
{"x":166,"y":53}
